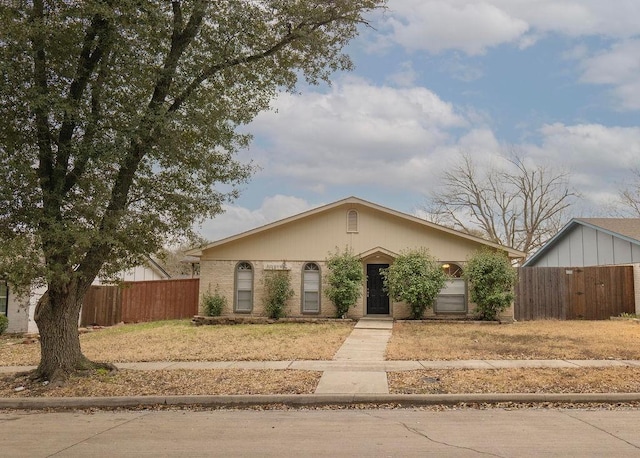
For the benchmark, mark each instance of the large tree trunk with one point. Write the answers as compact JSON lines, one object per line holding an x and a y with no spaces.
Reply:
{"x":61,"y":355}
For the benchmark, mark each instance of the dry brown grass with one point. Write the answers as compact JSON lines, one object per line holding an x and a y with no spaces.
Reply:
{"x":579,"y":380}
{"x":180,"y":341}
{"x":526,"y":340}
{"x":173,"y":382}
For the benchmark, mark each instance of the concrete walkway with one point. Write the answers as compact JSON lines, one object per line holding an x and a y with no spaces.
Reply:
{"x":362,"y":366}
{"x":365,"y":345}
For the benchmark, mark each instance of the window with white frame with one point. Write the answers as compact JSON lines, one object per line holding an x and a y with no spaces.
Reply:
{"x":244,"y":287}
{"x":311,"y":288}
{"x":352,"y":221}
{"x":4,"y":298}
{"x":453,"y":296}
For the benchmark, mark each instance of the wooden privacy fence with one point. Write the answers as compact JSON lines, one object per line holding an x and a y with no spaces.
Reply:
{"x":571,"y":293}
{"x":140,"y":301}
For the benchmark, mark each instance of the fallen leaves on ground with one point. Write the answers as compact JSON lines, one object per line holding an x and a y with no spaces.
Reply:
{"x":544,"y":339}
{"x":169,"y":383}
{"x":522,"y":380}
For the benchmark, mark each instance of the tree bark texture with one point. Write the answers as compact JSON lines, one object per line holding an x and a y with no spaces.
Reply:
{"x":59,"y":339}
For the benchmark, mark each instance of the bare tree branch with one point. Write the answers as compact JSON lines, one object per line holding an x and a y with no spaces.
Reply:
{"x":518,"y":205}
{"x":629,"y":196}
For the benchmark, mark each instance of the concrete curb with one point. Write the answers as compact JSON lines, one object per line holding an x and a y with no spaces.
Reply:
{"x":302,"y":400}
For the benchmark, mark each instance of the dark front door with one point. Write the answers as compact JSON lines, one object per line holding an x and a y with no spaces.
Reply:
{"x":377,"y":299}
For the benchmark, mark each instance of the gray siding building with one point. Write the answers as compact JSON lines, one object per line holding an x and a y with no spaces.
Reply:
{"x":587,"y":242}
{"x":591,"y":242}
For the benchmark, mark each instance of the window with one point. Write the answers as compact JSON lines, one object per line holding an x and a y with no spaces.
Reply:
{"x":452,"y":297}
{"x":4,"y":298}
{"x":352,"y":221}
{"x":311,"y":288}
{"x":244,"y":287}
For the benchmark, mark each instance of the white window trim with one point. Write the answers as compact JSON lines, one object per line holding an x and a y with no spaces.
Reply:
{"x":236,"y":298}
{"x":304,"y":291}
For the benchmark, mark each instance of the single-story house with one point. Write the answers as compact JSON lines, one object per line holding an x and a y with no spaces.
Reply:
{"x":20,"y":309}
{"x":591,"y":242}
{"x":300,"y":244}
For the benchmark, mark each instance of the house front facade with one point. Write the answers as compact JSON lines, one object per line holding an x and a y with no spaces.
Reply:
{"x":235,"y":266}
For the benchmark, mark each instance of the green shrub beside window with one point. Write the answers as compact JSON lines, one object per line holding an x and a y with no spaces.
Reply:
{"x":213,"y":304}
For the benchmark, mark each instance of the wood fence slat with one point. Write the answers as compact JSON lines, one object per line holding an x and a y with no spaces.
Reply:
{"x":592,"y":293}
{"x":143,"y":301}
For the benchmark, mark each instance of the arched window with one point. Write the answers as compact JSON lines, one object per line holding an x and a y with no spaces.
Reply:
{"x":352,"y":221}
{"x":311,"y":288}
{"x":452,"y":269}
{"x":244,"y":287}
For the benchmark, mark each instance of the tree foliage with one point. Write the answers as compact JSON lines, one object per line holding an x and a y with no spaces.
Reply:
{"x":118,"y":128}
{"x":277,"y":291}
{"x":492,"y":279}
{"x":516,"y":204}
{"x":415,"y":277}
{"x":344,"y":282}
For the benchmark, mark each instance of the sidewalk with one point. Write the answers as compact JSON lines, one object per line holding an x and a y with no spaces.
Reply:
{"x":356,"y":374}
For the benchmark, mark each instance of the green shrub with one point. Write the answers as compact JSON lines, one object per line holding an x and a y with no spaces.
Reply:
{"x":277,"y":291}
{"x":491,"y":279}
{"x":213,"y":304}
{"x":344,"y":281}
{"x":415,"y":277}
{"x":4,"y":324}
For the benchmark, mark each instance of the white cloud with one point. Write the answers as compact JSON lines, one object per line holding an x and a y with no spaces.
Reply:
{"x":237,"y":219}
{"x":473,"y":26}
{"x":470,"y":26}
{"x":593,"y":147}
{"x":356,"y":134}
{"x":405,"y":77}
{"x":619,"y":67}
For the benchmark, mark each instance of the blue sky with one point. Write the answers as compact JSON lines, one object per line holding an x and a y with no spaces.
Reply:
{"x":558,"y":81}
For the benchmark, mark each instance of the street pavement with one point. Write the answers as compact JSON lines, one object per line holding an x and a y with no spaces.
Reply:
{"x":340,"y":419}
{"x":343,"y":433}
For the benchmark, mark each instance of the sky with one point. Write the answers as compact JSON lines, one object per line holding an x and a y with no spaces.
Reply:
{"x":556,"y":81}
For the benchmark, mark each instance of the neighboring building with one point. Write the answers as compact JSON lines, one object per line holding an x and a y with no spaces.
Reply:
{"x":591,"y":242}
{"x":300,"y":244}
{"x":150,"y":270}
{"x":20,"y":309}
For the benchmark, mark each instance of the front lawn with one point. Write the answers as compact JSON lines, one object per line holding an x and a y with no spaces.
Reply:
{"x":547,"y":339}
{"x":180,"y":341}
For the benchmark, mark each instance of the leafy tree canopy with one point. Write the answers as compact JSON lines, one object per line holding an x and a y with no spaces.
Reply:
{"x":118,"y":124}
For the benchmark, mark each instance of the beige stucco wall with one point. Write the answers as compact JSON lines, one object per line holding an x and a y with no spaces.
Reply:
{"x":314,"y":237}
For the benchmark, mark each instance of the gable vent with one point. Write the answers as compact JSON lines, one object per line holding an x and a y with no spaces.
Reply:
{"x":352,"y":221}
